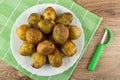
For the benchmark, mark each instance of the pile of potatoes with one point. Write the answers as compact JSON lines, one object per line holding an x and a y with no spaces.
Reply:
{"x":48,"y":37}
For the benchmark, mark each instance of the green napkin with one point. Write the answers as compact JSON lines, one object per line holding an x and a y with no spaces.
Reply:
{"x":11,"y":9}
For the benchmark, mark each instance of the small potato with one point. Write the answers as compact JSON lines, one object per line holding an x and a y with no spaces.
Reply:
{"x":49,"y":13}
{"x":65,"y":19}
{"x":38,"y":60}
{"x":45,"y":26}
{"x":68,"y":48}
{"x":21,"y":31}
{"x":60,"y":33}
{"x":26,"y":49}
{"x":33,"y":19}
{"x":45,"y":47}
{"x":74,"y":32}
{"x":34,"y":35}
{"x":55,"y":59}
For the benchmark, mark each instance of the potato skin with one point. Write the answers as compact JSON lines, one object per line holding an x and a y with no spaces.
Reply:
{"x":34,"y":35}
{"x":65,"y":19}
{"x":26,"y":49}
{"x":38,"y":60}
{"x":45,"y":26}
{"x":21,"y":31}
{"x":33,"y":19}
{"x":48,"y":38}
{"x":55,"y":59}
{"x":49,"y":13}
{"x":60,"y":33}
{"x":74,"y":32}
{"x":69,"y":48}
{"x":45,"y":47}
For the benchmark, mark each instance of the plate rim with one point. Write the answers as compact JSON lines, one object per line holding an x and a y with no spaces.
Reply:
{"x":13,"y":28}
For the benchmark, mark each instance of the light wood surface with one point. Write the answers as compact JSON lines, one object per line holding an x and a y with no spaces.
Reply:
{"x":108,"y":67}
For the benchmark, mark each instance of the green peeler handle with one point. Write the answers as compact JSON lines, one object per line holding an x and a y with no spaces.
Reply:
{"x":95,"y":57}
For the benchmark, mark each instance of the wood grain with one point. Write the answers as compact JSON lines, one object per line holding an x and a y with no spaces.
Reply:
{"x":9,"y":73}
{"x":108,"y":67}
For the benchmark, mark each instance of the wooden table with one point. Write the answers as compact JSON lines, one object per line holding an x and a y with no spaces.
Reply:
{"x":108,"y":67}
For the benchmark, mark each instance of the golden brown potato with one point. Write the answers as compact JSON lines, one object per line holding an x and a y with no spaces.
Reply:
{"x":33,"y":19}
{"x":45,"y":47}
{"x":45,"y":26}
{"x":60,"y":33}
{"x":49,"y":13}
{"x":55,"y":59}
{"x":21,"y":31}
{"x":38,"y":60}
{"x":34,"y":35}
{"x":47,"y":37}
{"x":74,"y":32}
{"x":65,"y":18}
{"x":26,"y":49}
{"x":68,"y":48}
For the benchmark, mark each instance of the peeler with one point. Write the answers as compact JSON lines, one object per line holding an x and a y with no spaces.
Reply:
{"x":98,"y":51}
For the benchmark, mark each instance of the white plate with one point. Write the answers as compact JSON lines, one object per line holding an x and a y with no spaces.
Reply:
{"x":24,"y":61}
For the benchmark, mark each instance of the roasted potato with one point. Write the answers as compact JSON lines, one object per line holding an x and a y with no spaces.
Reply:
{"x":21,"y":31}
{"x":47,"y":38}
{"x":60,"y":33}
{"x":55,"y":59}
{"x":26,"y":49}
{"x":65,"y":19}
{"x":68,"y":48}
{"x":33,"y":19}
{"x":74,"y":32}
{"x":45,"y":47}
{"x":38,"y":60}
{"x":49,"y":13}
{"x":45,"y":26}
{"x":34,"y":35}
